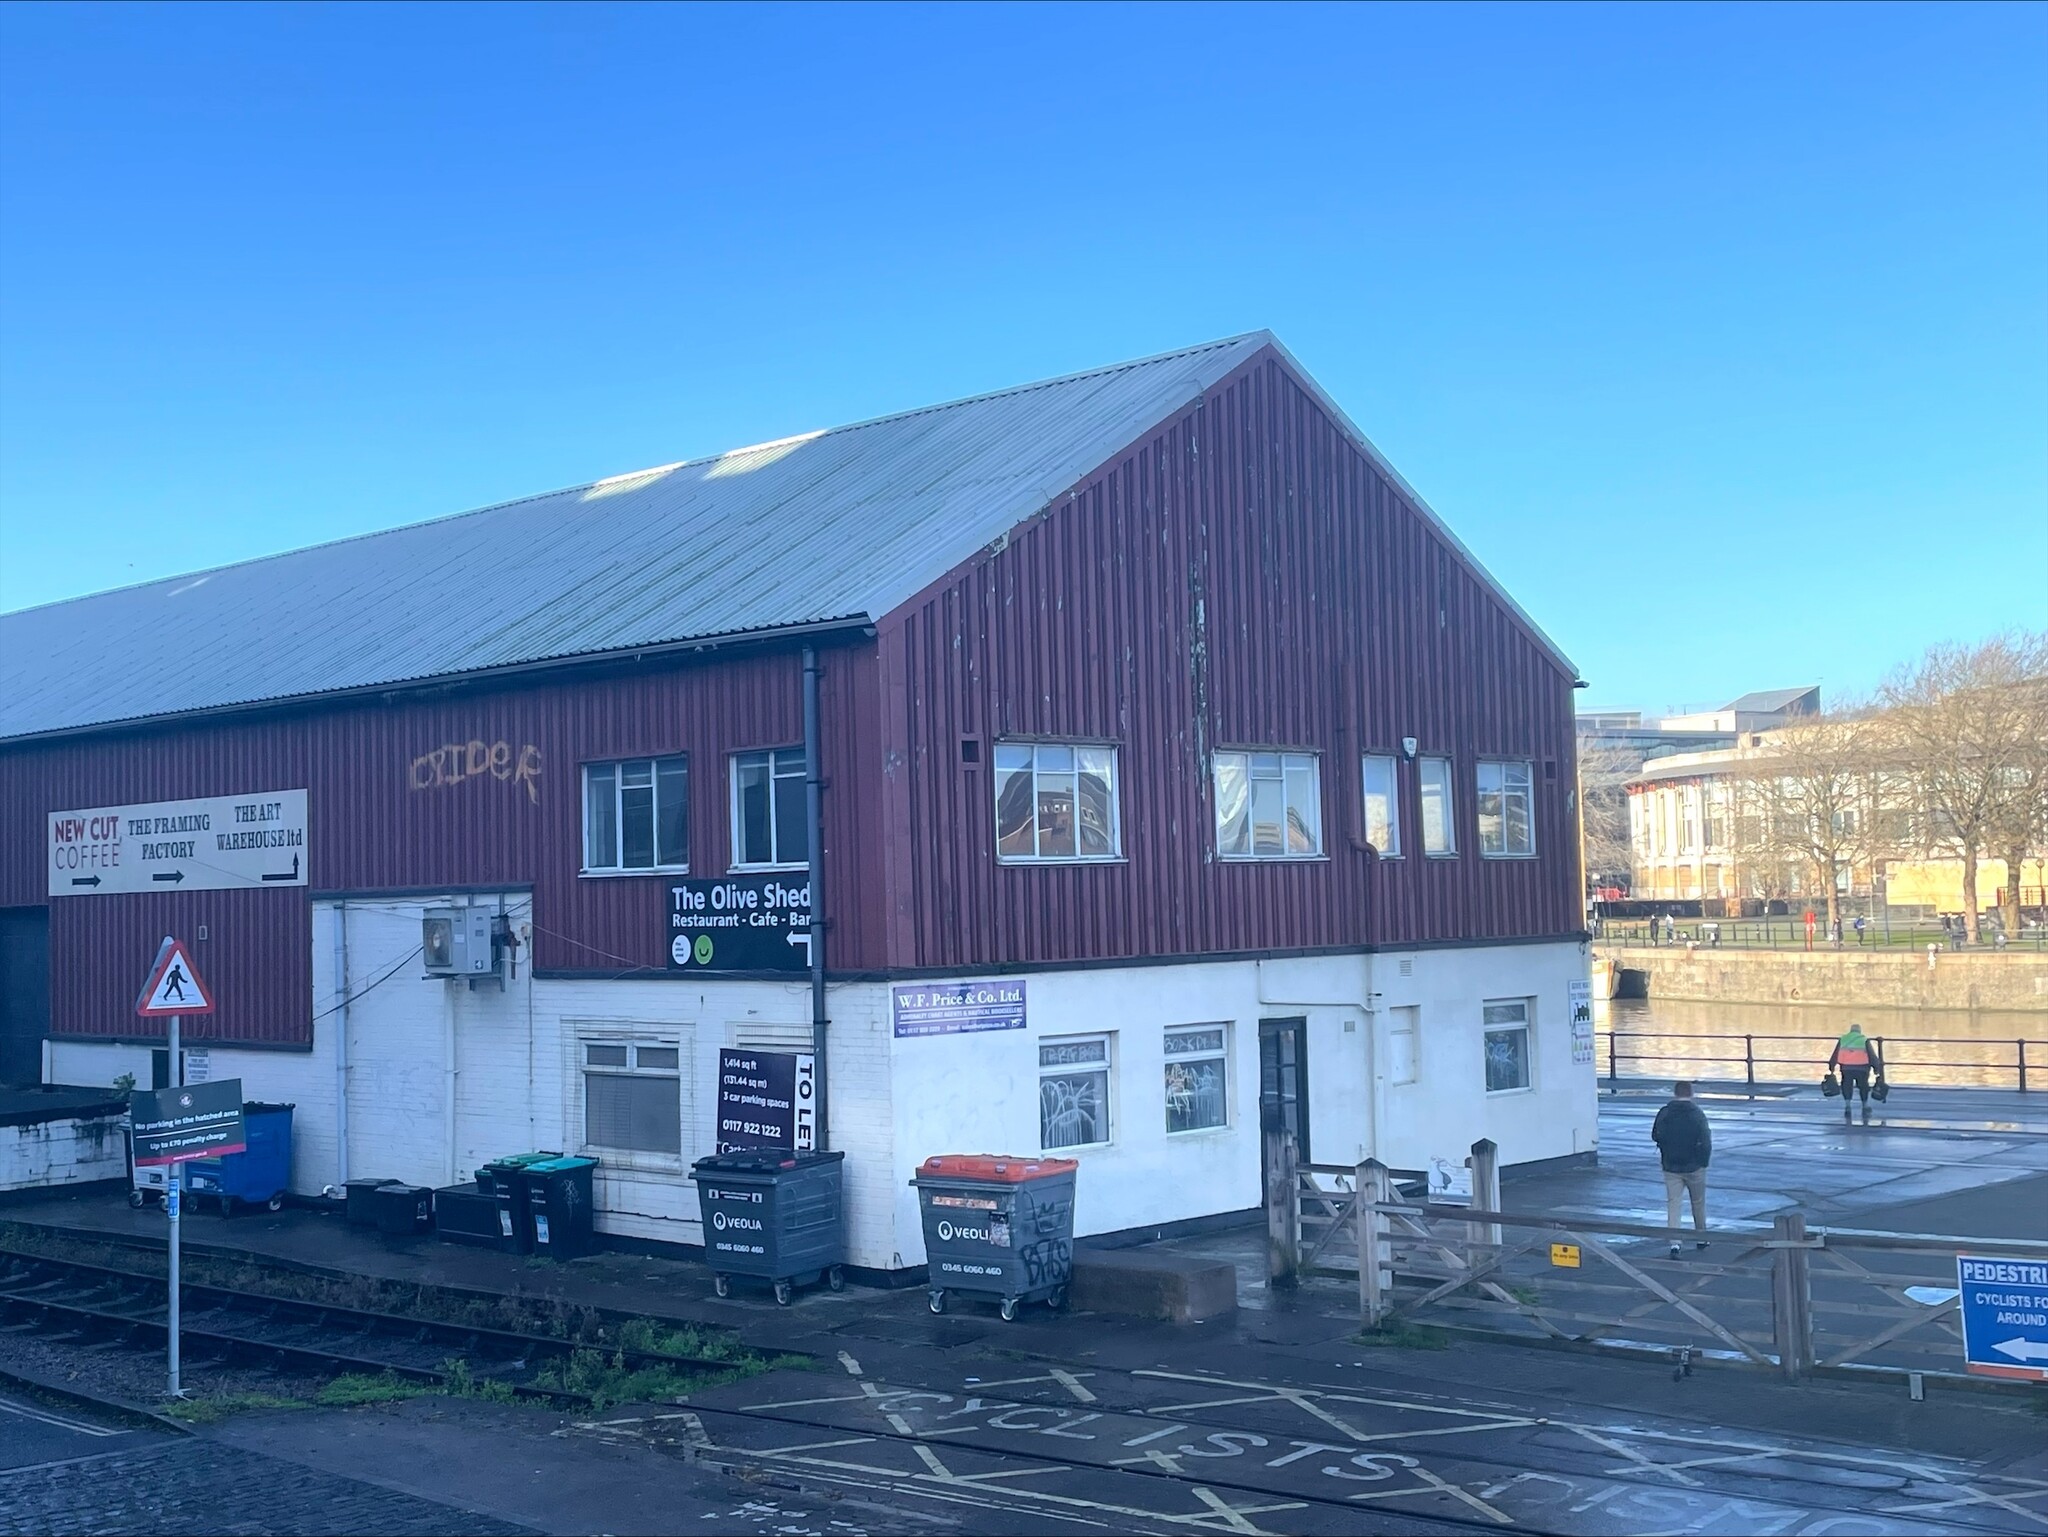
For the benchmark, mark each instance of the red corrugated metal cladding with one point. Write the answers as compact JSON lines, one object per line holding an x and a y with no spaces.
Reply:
{"x":392,"y":807}
{"x":1245,"y":577}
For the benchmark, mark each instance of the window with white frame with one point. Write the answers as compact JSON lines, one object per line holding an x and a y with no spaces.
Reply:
{"x":1439,"y":825}
{"x":1269,"y":805}
{"x":633,"y":1096}
{"x":1382,"y":807}
{"x":636,"y":815}
{"x":1507,"y":808}
{"x":1073,"y":1092}
{"x":1056,"y":800}
{"x":1507,"y":1044}
{"x":769,"y":827}
{"x":1197,"y":1077}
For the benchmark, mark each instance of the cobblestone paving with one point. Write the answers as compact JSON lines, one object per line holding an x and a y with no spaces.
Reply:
{"x":194,"y":1486}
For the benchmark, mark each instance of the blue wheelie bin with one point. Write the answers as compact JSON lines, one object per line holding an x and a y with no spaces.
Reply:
{"x":260,"y":1174}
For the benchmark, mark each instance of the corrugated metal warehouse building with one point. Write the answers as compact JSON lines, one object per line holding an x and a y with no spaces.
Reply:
{"x":1152,"y":694}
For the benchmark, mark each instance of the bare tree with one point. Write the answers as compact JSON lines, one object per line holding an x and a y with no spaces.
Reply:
{"x":1605,"y":770}
{"x":1965,"y":722}
{"x":1804,"y":800}
{"x":2019,"y":815}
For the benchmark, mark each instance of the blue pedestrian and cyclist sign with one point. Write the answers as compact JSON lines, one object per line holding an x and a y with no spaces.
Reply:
{"x":2005,"y":1316}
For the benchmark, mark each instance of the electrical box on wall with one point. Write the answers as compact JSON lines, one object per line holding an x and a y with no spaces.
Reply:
{"x":458,"y":942}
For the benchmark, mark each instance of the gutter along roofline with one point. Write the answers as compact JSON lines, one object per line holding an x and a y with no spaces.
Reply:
{"x":483,"y":677}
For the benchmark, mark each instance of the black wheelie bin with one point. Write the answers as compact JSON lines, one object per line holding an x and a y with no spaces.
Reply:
{"x":773,"y":1215}
{"x":999,"y":1227}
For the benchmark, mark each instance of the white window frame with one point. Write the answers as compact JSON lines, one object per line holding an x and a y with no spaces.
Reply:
{"x":1219,"y":1054}
{"x":1261,"y":765}
{"x":1527,"y":1025}
{"x":1450,"y":800}
{"x":1105,"y":760}
{"x":1106,"y":1067}
{"x":1392,"y":847}
{"x":1502,"y":771}
{"x":618,"y":767}
{"x":776,"y":777}
{"x":631,"y":1042}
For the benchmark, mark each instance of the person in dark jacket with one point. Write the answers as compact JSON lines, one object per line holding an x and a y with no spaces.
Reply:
{"x":1685,"y":1144}
{"x":1856,"y":1054}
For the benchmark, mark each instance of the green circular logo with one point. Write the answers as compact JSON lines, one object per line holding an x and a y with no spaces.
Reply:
{"x":703,"y":949}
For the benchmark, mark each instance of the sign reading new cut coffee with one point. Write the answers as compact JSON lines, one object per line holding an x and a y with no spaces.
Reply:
{"x":956,"y":1008}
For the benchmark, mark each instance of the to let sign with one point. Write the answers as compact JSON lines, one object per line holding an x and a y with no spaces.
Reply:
{"x":767,"y":1099}
{"x":221,"y":843}
{"x":2005,"y":1315}
{"x":740,"y":923}
{"x":200,"y":1120}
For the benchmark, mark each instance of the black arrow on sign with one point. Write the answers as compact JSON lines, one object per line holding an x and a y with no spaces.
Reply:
{"x":290,"y":875}
{"x":173,"y":876}
{"x":85,"y":880}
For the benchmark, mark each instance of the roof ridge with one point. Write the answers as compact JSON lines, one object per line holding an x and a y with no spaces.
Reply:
{"x":203,"y":572}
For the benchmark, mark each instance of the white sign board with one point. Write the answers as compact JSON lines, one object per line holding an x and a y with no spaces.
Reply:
{"x":1580,"y":998}
{"x":223,"y":843}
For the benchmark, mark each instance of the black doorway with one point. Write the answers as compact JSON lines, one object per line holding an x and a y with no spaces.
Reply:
{"x":24,"y":994}
{"x":1283,"y":1080}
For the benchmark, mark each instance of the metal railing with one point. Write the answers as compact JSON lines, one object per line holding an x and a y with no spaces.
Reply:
{"x":1786,"y":1298}
{"x":2018,"y":1062}
{"x":1790,"y":933}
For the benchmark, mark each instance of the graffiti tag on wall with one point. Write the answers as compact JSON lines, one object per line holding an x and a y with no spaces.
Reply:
{"x":459,"y":762}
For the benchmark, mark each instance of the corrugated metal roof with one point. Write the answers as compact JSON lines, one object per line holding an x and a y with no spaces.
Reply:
{"x":837,"y":525}
{"x":1771,"y":701}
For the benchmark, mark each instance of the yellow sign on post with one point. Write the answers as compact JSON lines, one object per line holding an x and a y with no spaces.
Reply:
{"x":1565,"y":1254}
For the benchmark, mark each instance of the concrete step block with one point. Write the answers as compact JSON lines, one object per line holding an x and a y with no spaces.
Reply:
{"x":1153,"y":1283}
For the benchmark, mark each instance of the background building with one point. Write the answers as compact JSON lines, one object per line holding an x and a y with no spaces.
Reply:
{"x":1157,"y":724}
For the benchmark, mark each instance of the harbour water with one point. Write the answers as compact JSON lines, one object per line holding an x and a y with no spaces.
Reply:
{"x":1722,"y":1041}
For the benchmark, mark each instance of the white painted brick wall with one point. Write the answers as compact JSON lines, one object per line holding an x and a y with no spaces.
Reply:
{"x":70,"y":1151}
{"x":518,"y":1082}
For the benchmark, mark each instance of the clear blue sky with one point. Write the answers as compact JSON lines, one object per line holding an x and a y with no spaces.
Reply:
{"x":1720,"y":334}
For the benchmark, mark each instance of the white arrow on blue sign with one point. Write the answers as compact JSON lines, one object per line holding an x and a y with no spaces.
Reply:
{"x":2005,"y":1315}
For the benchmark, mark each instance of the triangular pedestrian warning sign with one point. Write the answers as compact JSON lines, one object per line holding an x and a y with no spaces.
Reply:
{"x":173,"y":986}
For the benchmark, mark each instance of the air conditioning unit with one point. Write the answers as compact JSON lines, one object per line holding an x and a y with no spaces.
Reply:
{"x":457,"y":942}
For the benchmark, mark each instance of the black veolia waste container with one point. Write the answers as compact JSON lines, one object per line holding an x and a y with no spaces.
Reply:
{"x":362,"y":1200}
{"x":464,"y":1214}
{"x":404,"y":1208}
{"x":998,"y":1226}
{"x":560,"y":1205}
{"x":773,"y":1215}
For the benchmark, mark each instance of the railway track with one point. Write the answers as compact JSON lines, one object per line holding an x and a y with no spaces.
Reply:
{"x":107,"y":1303}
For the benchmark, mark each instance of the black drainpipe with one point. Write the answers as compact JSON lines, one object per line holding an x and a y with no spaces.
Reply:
{"x":813,"y":783}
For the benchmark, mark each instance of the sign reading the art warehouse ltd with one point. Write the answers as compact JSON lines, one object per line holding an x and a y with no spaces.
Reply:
{"x":767,"y":1099}
{"x":200,"y":1120}
{"x":740,"y":923}
{"x":1579,"y":994}
{"x":955,"y":1008}
{"x":222,"y":843}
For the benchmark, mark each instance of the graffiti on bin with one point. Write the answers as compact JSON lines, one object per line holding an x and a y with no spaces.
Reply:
{"x":1048,"y":1262}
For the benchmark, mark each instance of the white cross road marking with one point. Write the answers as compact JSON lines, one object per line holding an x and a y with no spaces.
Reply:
{"x":1635,"y":1459}
{"x":1976,"y":1497}
{"x":1229,"y":1513}
{"x":1072,"y":1384}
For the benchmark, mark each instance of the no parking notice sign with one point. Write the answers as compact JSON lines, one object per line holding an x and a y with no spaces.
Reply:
{"x":2005,"y":1316}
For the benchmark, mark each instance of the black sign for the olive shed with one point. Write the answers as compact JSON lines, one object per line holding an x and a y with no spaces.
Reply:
{"x":740,"y":923}
{"x":200,"y":1120}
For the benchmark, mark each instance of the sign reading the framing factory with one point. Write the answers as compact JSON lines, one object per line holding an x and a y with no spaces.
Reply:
{"x":740,"y":923}
{"x":223,"y":843}
{"x":200,"y":1120}
{"x":767,"y":1099}
{"x":2005,"y":1315}
{"x":955,"y":1008}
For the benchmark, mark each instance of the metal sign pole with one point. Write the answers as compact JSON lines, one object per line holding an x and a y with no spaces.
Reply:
{"x":173,"y":1187}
